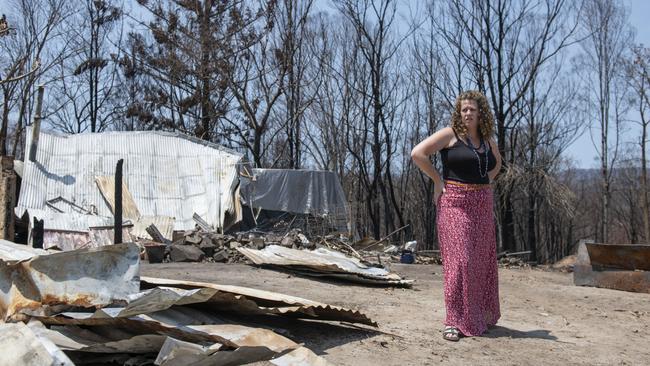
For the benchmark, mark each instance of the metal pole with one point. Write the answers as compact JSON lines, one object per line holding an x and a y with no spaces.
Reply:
{"x":118,"y":202}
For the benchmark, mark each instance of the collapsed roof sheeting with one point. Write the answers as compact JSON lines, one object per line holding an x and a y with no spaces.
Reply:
{"x":174,"y":339}
{"x":296,"y":191}
{"x":322,"y":262}
{"x":85,"y":278}
{"x":251,"y":301}
{"x":168,"y":174}
{"x":11,"y":252}
{"x":22,"y":346}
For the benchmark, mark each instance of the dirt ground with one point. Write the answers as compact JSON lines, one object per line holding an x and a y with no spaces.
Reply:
{"x":545,"y":319}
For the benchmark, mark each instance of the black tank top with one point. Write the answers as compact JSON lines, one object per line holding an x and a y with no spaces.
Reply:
{"x":459,"y":163}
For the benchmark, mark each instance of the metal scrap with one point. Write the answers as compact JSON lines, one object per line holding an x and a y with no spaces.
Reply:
{"x":190,"y":175}
{"x":323,"y":262}
{"x":84,"y":277}
{"x":164,"y":224}
{"x":249,"y":301}
{"x":27,"y":348}
{"x":613,"y":266}
{"x":160,"y":320}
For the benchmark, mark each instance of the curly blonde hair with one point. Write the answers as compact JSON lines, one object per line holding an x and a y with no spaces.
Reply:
{"x":485,"y":117}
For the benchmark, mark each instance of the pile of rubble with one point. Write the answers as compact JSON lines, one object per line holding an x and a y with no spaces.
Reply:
{"x":91,"y":306}
{"x":328,"y":256}
{"x":513,"y":262}
{"x":201,"y":245}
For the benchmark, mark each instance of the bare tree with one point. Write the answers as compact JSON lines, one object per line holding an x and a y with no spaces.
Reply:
{"x":607,"y":38}
{"x":37,"y":44}
{"x":88,"y":85}
{"x":639,"y":77}
{"x":379,"y":101}
{"x":434,"y":83}
{"x":257,"y":84}
{"x":501,"y":46}
{"x":550,"y":123}
{"x":294,"y":21}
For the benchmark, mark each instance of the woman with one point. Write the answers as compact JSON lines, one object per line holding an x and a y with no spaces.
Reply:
{"x":464,"y":217}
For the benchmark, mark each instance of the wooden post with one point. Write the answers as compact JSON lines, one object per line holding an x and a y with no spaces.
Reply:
{"x":38,"y":233}
{"x":7,"y":198}
{"x":36,"y":128}
{"x":118,"y":202}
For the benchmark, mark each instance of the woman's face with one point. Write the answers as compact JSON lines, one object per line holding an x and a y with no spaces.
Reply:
{"x":469,"y":114}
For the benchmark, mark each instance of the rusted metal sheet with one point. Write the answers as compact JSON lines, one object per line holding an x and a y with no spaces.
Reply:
{"x":322,"y":262}
{"x":73,"y":338}
{"x":249,"y":301}
{"x":621,"y":256}
{"x":123,"y":320}
{"x":585,"y":273}
{"x":84,"y":277}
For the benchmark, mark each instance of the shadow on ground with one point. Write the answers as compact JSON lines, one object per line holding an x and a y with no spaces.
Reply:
{"x":499,"y":332}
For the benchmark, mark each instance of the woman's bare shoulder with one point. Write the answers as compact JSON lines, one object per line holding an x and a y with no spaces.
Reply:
{"x":450,"y":136}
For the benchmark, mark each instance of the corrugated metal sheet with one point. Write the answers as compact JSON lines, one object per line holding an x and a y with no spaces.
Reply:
{"x":164,"y":224}
{"x":66,"y":240}
{"x":71,"y":221}
{"x":102,"y":236}
{"x":323,"y":262}
{"x":168,"y":174}
{"x":84,"y":277}
{"x":250,"y":301}
{"x":27,"y":348}
{"x":11,"y":252}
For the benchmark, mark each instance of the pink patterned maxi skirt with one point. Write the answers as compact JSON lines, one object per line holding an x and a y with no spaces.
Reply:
{"x":467,"y":239}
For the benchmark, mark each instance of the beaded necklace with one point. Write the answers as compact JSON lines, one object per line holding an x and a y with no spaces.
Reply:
{"x":474,"y":149}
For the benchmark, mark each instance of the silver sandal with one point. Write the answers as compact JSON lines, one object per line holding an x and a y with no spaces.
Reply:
{"x":451,"y":334}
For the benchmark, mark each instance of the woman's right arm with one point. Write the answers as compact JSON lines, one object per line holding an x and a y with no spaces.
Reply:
{"x":432,"y":144}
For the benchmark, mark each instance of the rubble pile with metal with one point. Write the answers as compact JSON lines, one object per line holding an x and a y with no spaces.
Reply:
{"x":209,"y":245}
{"x":322,"y":262}
{"x":90,"y":306}
{"x":323,"y":256}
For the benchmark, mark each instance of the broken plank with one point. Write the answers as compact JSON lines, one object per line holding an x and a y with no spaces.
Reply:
{"x":106,"y":185}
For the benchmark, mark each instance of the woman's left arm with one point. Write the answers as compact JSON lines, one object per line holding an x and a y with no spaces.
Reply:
{"x":495,"y":150}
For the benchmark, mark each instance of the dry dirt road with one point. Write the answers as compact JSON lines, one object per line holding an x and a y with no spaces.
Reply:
{"x":545,"y":320}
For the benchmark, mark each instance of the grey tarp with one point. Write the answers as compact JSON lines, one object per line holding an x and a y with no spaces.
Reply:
{"x":296,"y":191}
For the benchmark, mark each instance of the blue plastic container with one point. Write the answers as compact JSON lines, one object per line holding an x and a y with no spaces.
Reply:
{"x":407,"y":257}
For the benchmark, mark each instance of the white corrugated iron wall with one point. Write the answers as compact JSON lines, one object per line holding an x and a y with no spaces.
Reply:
{"x":168,"y":174}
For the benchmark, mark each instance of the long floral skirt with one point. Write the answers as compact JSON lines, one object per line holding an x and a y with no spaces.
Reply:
{"x":467,"y":239}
